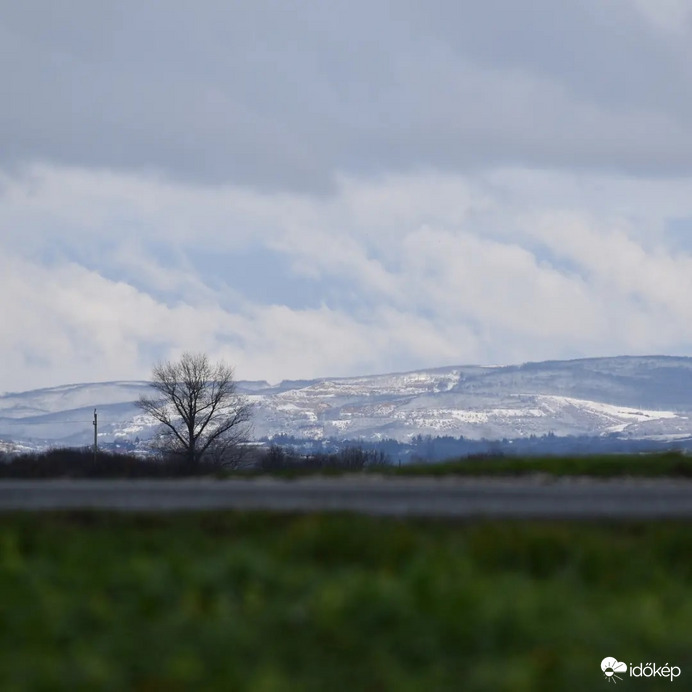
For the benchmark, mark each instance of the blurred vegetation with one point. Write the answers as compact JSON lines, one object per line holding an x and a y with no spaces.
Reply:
{"x":280,"y":461}
{"x":261,"y":601}
{"x":82,"y":463}
{"x":602,"y":465}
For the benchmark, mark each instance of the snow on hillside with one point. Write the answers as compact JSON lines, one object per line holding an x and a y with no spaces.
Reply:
{"x":69,"y":397}
{"x":635,"y":397}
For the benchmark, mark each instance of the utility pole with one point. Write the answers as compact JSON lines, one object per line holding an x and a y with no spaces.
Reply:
{"x":96,"y":428}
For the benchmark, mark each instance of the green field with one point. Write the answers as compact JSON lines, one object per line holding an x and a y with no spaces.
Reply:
{"x":666,"y":464}
{"x":260,"y":601}
{"x":672,"y":464}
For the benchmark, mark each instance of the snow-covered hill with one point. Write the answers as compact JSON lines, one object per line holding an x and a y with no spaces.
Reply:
{"x":635,"y":397}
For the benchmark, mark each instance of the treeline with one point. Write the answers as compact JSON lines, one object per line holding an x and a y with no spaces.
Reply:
{"x":277,"y":458}
{"x":286,"y":454}
{"x":82,"y":463}
{"x":426,"y":448}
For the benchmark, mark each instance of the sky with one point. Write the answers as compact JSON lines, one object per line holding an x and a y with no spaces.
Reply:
{"x":312,"y":189}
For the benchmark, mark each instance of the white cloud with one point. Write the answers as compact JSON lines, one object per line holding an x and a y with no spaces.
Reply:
{"x":417,"y":270}
{"x":619,"y":267}
{"x":498,"y":284}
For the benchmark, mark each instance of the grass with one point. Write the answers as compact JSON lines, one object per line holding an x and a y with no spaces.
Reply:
{"x":673,"y":464}
{"x":268,"y":602}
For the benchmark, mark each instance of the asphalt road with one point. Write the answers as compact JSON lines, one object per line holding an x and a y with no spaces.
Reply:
{"x":538,"y":497}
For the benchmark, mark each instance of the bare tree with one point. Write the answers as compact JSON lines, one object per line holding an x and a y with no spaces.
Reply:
{"x":201,"y":414}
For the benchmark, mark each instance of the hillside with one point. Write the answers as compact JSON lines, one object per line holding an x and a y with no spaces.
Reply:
{"x":636,"y":397}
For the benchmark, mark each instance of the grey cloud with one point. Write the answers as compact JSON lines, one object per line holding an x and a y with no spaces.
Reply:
{"x":284,"y":95}
{"x":604,"y":52}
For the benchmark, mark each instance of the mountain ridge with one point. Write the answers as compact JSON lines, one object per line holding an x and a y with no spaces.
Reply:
{"x":637,"y":397}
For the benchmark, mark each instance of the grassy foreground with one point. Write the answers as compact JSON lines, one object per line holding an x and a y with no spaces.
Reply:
{"x":259,"y":601}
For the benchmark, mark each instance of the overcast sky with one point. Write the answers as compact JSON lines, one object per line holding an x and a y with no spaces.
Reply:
{"x":317,"y":188}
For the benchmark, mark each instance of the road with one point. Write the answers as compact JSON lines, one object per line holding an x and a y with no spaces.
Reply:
{"x":538,"y":497}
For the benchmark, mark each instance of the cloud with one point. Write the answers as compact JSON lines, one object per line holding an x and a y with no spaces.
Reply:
{"x":71,"y":324}
{"x":288,"y":100}
{"x":618,"y":267}
{"x":109,"y":272}
{"x":497,"y":284}
{"x":670,"y":16}
{"x":340,"y":189}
